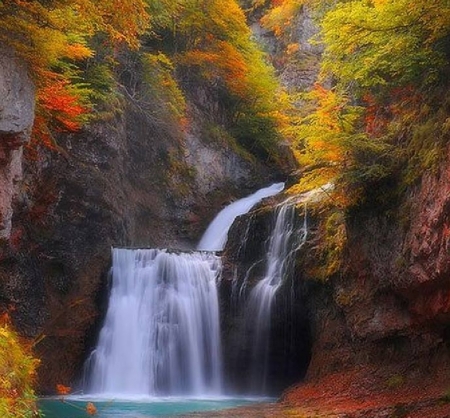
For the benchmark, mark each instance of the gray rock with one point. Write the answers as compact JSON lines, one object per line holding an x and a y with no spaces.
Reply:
{"x":16,"y":121}
{"x":16,"y":96}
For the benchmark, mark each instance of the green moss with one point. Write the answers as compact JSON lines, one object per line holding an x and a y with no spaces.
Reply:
{"x":400,"y":411}
{"x":426,"y":149}
{"x":179,"y":176}
{"x":445,"y":398}
{"x":215,"y":134}
{"x":330,"y":248}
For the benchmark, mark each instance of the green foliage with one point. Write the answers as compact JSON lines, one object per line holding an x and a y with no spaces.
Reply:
{"x":161,"y":85}
{"x":385,"y":42}
{"x":445,"y":398}
{"x":99,"y":77}
{"x":17,"y":373}
{"x":218,"y":135}
{"x":428,"y":137}
{"x":328,"y":252}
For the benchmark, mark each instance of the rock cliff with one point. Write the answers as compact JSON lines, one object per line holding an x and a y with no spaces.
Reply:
{"x":16,"y":121}
{"x":373,"y":338}
{"x":128,"y":179}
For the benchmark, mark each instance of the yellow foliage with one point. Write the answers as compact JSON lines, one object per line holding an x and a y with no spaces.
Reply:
{"x":17,"y":373}
{"x":281,"y":16}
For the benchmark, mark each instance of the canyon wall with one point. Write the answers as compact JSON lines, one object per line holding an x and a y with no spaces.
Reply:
{"x":389,"y":305}
{"x":16,"y":121}
{"x":382,"y":319}
{"x":127,"y":179}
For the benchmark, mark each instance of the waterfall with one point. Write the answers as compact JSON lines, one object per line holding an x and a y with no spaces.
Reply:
{"x":161,"y":334}
{"x":215,"y":236}
{"x":285,"y":240}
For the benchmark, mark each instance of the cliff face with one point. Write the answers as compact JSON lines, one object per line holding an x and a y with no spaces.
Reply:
{"x":289,"y":332}
{"x":390,"y":305}
{"x":377,"y":329}
{"x":126,"y":180}
{"x":16,"y":120}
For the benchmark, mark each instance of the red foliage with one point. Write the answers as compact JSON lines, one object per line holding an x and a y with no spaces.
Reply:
{"x":59,"y":110}
{"x":55,"y":99}
{"x":403,"y":102}
{"x":63,"y":390}
{"x":375,"y":119}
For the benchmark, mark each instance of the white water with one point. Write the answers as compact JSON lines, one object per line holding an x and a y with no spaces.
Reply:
{"x":215,"y":237}
{"x":161,"y":334}
{"x":286,"y":239}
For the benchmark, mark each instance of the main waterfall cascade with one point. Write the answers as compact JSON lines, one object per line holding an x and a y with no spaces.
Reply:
{"x":161,"y":334}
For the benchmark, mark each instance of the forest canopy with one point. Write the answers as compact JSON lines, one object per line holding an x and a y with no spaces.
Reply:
{"x":73,"y":50}
{"x":378,"y":113}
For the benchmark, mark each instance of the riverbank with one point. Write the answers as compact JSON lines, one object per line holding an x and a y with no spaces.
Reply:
{"x":359,"y":393}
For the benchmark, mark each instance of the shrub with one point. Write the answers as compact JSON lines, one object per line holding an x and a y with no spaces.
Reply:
{"x":17,"y":374}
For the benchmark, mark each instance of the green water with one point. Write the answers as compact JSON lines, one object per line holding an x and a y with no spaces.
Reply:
{"x":68,"y":408}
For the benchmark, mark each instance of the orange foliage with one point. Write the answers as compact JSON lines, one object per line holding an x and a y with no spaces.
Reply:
{"x":91,"y":409}
{"x":52,"y":37}
{"x":222,"y":61}
{"x":375,"y":119}
{"x":329,"y":108}
{"x":55,"y":100}
{"x":58,"y":110}
{"x":63,"y":390}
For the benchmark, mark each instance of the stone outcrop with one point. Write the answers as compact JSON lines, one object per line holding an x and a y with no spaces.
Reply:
{"x":16,"y":120}
{"x":389,"y":308}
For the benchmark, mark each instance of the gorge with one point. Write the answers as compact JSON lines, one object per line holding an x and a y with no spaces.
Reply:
{"x":130,"y":125}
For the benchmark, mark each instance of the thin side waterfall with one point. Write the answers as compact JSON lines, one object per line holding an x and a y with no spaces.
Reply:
{"x":161,"y":334}
{"x":215,"y":237}
{"x":286,"y":239}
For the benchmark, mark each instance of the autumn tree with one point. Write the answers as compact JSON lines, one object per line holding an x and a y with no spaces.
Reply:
{"x":210,"y":44}
{"x":17,"y":375}
{"x":53,"y":37}
{"x":377,"y":108}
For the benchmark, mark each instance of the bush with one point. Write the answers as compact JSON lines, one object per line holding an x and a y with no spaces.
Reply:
{"x":17,"y":374}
